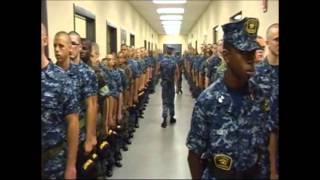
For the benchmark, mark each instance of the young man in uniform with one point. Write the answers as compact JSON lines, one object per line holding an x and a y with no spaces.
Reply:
{"x":59,"y":114}
{"x":231,"y":122}
{"x":169,"y":72}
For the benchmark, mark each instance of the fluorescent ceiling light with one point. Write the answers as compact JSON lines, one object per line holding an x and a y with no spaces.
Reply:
{"x":172,"y":29}
{"x":171,"y":17}
{"x":170,"y":10}
{"x":171,"y":22}
{"x":169,"y":1}
{"x":171,"y":25}
{"x":172,"y":32}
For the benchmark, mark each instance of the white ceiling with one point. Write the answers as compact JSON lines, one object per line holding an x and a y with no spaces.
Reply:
{"x":193,"y":9}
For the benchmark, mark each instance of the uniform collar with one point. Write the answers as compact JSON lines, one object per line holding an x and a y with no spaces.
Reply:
{"x":51,"y":69}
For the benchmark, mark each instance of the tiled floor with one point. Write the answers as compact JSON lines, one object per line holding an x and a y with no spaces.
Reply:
{"x":157,"y":153}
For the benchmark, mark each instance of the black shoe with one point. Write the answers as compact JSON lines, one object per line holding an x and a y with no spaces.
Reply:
{"x":131,"y":135}
{"x":172,"y":120}
{"x":119,"y":156}
{"x":125,"y":147}
{"x":164,"y":124}
{"x":180,"y":91}
{"x":128,"y":141}
{"x":137,"y":125}
{"x":109,"y":173}
{"x":118,"y":164}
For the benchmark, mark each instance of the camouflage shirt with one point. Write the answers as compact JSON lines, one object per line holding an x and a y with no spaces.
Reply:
{"x":167,"y":68}
{"x":58,"y":99}
{"x":213,"y":64}
{"x":88,"y":83}
{"x":267,"y":76}
{"x":219,"y":125}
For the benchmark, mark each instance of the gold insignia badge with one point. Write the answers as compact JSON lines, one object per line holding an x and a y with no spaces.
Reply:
{"x":251,"y":26}
{"x":223,"y":161}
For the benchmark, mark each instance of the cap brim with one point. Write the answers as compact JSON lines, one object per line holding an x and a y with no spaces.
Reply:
{"x":247,"y":46}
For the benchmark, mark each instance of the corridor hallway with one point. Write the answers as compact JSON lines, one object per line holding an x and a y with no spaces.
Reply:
{"x":155,"y":152}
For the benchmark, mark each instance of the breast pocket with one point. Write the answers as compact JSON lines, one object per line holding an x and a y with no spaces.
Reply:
{"x":50,"y":100}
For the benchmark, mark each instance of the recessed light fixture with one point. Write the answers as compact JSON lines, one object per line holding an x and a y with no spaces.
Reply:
{"x":170,"y":10}
{"x":169,"y":1}
{"x":170,"y":22}
{"x":171,"y":17}
{"x":172,"y":29}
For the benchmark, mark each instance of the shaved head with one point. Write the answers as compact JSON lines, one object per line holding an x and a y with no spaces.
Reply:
{"x":43,"y":29}
{"x":63,"y":34}
{"x":271,"y":28}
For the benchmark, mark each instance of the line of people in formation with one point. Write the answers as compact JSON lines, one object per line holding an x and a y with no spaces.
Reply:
{"x":202,"y":69}
{"x":90,"y":108}
{"x":235,"y":123}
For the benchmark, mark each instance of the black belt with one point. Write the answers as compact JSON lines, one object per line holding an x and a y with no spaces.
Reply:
{"x":220,"y":167}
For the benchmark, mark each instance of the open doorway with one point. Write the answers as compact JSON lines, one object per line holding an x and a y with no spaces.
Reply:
{"x":177,"y":48}
{"x":132,"y":42}
{"x":123,"y":36}
{"x":111,"y":39}
{"x":84,"y":23}
{"x":196,"y":45}
{"x":236,"y":17}
{"x":215,"y":33}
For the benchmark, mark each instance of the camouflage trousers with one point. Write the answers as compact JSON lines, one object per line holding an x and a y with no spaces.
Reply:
{"x":179,"y":82}
{"x":55,"y":166}
{"x":167,"y":98}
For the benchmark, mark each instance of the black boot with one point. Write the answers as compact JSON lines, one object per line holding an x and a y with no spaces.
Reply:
{"x":172,"y":120}
{"x":137,"y":125}
{"x":109,"y":172}
{"x":125,"y":147}
{"x":128,"y":141}
{"x":118,"y":156}
{"x":164,"y":124}
{"x":118,"y":164}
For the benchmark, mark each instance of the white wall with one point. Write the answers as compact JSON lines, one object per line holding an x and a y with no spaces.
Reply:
{"x":119,"y":13}
{"x":219,"y":12}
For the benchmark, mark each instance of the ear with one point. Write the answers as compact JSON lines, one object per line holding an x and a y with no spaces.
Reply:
{"x":267,"y":43}
{"x":70,"y":49}
{"x":45,"y":41}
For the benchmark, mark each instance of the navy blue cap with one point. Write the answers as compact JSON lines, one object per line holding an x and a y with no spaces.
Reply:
{"x":242,"y":34}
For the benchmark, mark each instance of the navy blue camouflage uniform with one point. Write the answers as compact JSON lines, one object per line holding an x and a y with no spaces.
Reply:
{"x":267,"y":76}
{"x":58,"y":99}
{"x":230,"y":123}
{"x":181,"y":68}
{"x":87,"y":85}
{"x":167,"y":75}
{"x":213,"y":64}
